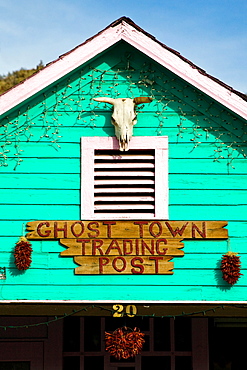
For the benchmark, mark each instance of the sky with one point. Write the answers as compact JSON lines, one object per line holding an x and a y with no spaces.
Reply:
{"x":210,"y":33}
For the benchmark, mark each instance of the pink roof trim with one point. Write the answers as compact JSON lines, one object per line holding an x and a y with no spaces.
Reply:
{"x":125,"y":29}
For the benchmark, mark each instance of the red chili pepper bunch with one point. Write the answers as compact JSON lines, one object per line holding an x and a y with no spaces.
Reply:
{"x":23,"y":251}
{"x":230,"y":267}
{"x":124,"y":342}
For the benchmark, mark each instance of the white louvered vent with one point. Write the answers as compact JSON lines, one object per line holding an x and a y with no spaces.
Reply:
{"x":124,"y":183}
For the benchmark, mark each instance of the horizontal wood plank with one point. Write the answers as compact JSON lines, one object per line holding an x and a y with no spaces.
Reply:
{"x":146,"y":125}
{"x":123,"y":292}
{"x":196,"y":279}
{"x":177,"y":165}
{"x":40,"y":181}
{"x":207,"y":181}
{"x":186,"y":150}
{"x":72,"y":211}
{"x":72,"y":196}
{"x":177,"y":181}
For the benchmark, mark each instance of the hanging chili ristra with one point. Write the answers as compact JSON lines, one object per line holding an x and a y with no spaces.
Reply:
{"x":230,"y":267}
{"x":124,"y":342}
{"x":23,"y":251}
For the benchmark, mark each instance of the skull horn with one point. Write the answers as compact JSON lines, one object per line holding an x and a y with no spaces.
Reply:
{"x":105,"y":100}
{"x":142,"y":99}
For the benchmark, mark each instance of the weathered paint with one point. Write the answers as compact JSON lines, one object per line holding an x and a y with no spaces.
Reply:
{"x":205,"y":143}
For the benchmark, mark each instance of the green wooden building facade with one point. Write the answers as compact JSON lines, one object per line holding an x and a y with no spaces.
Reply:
{"x":43,"y":173}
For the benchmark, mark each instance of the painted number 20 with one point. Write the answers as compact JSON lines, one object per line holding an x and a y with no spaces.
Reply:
{"x":120,"y":310}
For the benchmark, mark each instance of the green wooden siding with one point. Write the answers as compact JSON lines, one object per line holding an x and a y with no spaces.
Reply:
{"x":207,"y":179}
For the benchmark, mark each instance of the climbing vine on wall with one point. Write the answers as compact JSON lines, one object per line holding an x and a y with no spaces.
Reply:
{"x":70,"y":102}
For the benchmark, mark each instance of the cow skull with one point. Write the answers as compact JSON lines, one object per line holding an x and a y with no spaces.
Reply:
{"x":124,"y":117}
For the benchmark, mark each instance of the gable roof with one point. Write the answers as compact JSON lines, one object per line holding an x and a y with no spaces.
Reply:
{"x":125,"y":29}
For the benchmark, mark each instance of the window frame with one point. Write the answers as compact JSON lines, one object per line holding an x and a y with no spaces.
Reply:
{"x":157,"y":143}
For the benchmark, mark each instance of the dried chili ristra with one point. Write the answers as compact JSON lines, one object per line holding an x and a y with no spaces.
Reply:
{"x":22,"y":254}
{"x":124,"y":342}
{"x":230,"y":267}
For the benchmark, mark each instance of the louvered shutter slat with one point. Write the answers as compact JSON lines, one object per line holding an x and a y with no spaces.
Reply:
{"x":128,"y":189}
{"x":122,"y":206}
{"x":118,"y":165}
{"x":124,"y":182}
{"x":124,"y":173}
{"x":124,"y":199}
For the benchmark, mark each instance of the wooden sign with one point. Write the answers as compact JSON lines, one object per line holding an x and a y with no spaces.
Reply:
{"x":124,"y":247}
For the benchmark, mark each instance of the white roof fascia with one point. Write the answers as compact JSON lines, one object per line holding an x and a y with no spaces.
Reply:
{"x":181,"y":68}
{"x":123,"y":31}
{"x":65,"y":64}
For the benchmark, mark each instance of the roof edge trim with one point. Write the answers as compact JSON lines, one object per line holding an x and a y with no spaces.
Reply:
{"x":125,"y":29}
